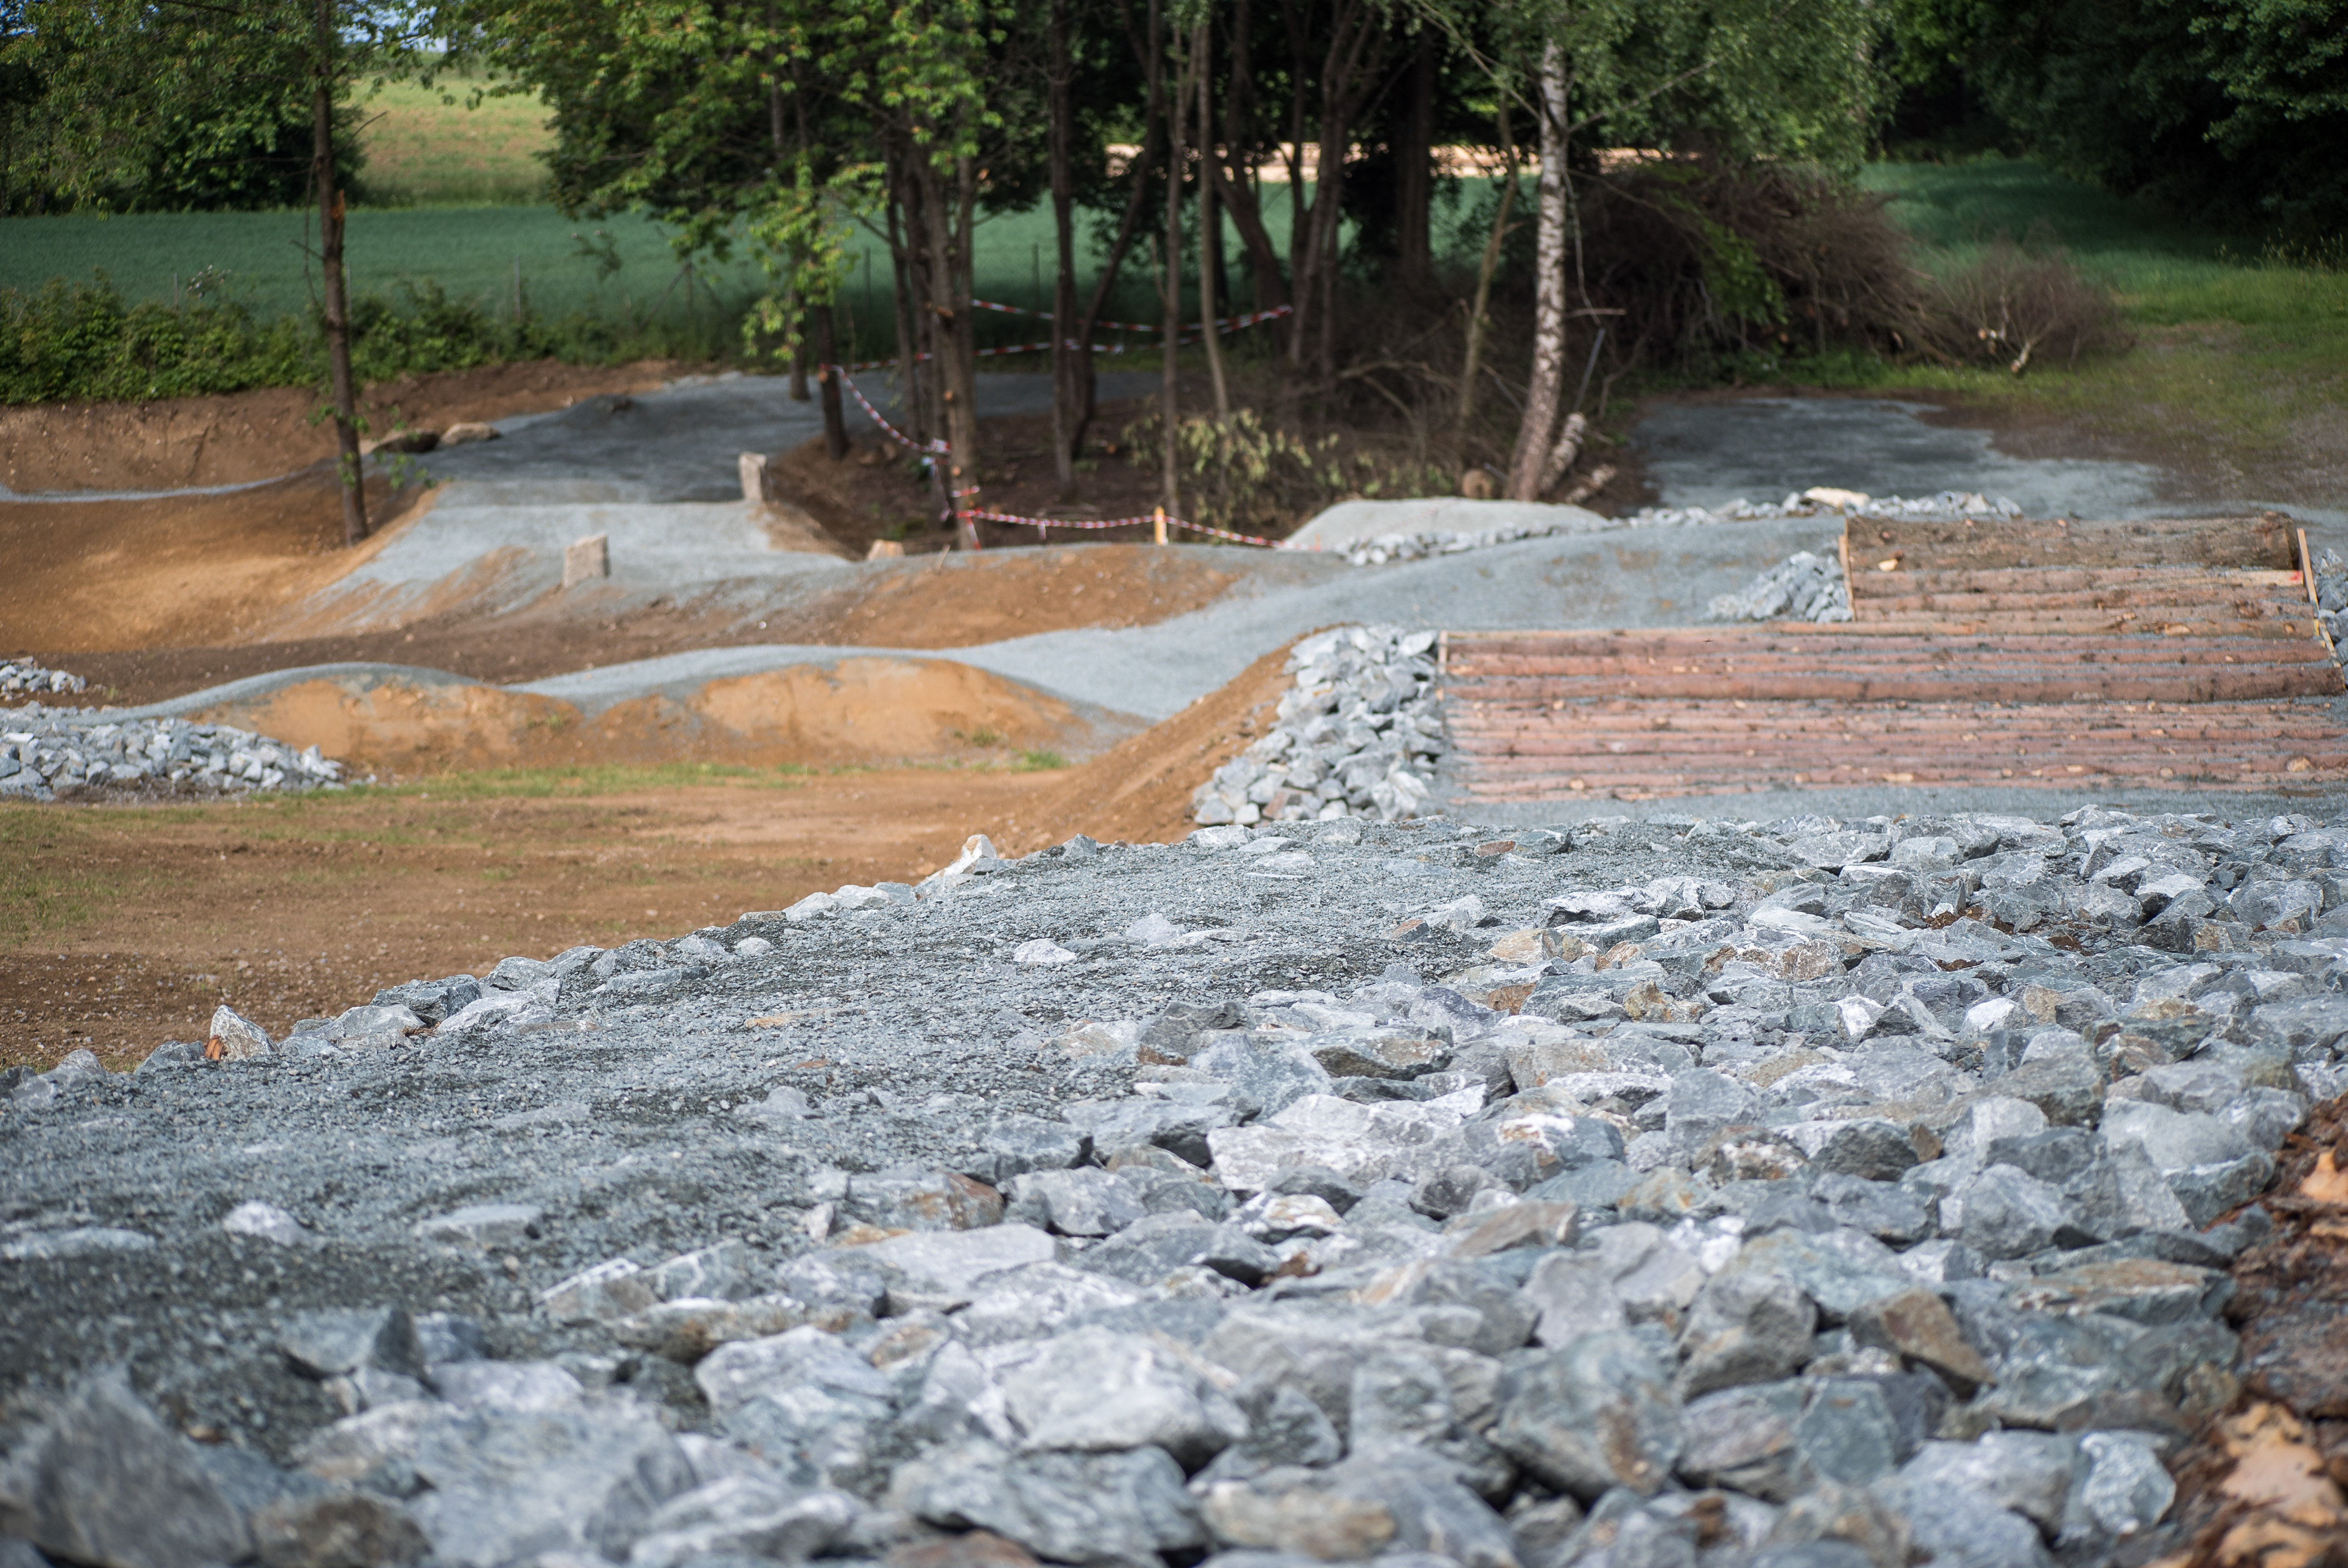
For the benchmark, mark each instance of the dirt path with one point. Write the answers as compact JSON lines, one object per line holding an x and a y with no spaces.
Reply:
{"x":182,"y":443}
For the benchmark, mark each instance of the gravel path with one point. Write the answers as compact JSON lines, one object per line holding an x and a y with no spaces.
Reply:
{"x":1819,"y":1192}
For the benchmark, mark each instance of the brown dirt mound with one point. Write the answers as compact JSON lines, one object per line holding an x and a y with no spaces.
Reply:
{"x":178,"y":442}
{"x":958,"y":600}
{"x":1139,"y":790}
{"x":131,"y":636}
{"x":187,"y":571}
{"x":860,"y":711}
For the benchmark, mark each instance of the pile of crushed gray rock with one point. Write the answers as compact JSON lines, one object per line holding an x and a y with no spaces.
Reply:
{"x":1816,"y":501}
{"x":47,"y":752}
{"x":23,"y":677}
{"x":1848,"y":1194}
{"x":1356,"y":735}
{"x":1803,"y":586}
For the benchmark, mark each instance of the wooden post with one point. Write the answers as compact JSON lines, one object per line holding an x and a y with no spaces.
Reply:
{"x":1158,"y":517}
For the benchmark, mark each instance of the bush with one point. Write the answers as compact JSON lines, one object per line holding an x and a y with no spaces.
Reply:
{"x":79,"y":342}
{"x":2012,"y":306}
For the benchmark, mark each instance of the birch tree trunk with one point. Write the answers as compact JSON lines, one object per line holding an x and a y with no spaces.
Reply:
{"x":1548,"y":386}
{"x":330,"y":258}
{"x":1170,"y":105}
{"x":1066,"y":392}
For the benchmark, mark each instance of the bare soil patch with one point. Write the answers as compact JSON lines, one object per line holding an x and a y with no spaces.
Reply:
{"x":169,"y":570}
{"x":877,"y":492}
{"x":90,"y":624}
{"x":123,"y":925}
{"x":234,"y":439}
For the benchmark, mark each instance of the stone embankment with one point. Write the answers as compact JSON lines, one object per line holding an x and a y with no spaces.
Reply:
{"x":24,"y":678}
{"x":48,"y":752}
{"x":1358,"y":735}
{"x":1803,"y":587}
{"x":1688,"y":1191}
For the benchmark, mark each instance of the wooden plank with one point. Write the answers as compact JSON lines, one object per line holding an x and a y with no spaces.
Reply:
{"x":2244,"y":542}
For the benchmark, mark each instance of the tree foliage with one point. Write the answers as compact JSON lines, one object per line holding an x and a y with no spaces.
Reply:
{"x":2236,"y":110}
{"x":128,"y":106}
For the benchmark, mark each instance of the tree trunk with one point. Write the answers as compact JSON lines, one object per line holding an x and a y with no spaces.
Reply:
{"x":950,"y":314}
{"x":1065,"y":389}
{"x":827,"y":348}
{"x":330,"y":257}
{"x":1414,"y":170}
{"x":1128,"y":229}
{"x":1210,"y":224}
{"x":1473,"y":368}
{"x":1548,"y":386}
{"x":1168,"y":105}
{"x":1236,"y":190}
{"x":793,"y":310}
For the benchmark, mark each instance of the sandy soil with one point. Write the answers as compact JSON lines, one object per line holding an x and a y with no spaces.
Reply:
{"x":179,"y":442}
{"x":132,"y":635}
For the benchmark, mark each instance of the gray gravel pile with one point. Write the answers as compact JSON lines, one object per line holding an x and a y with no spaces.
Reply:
{"x":1679,"y":1192}
{"x":1357,"y":736}
{"x":1820,"y":502}
{"x":46,"y":752}
{"x":2331,"y":596}
{"x":1424,"y":543}
{"x":1803,"y":587}
{"x":23,"y":677}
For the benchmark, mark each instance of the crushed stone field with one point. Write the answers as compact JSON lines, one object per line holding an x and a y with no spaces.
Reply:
{"x":1680,"y":1190}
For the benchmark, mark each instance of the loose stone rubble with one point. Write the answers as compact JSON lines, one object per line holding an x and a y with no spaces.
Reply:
{"x":1803,"y":586}
{"x":1816,"y":501}
{"x":1357,"y":736}
{"x":48,"y":751}
{"x":22,"y":676}
{"x":1678,"y":1191}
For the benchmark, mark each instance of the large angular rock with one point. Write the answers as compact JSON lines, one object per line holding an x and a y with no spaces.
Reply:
{"x":509,"y":1485}
{"x":807,"y":1357}
{"x":2008,"y":1212}
{"x":1088,"y":1202}
{"x":102,"y":1481}
{"x":2028,"y":1473}
{"x":1014,"y":1144}
{"x":948,"y":1265}
{"x":1113,"y":1509}
{"x":2206,"y":1162}
{"x":932,"y":1201}
{"x":742,"y":1517}
{"x":330,"y":1343}
{"x":1745,"y":1328}
{"x":1918,"y":1325}
{"x":1594,"y":1414}
{"x":1744,"y":1439}
{"x":1097,"y":1391}
{"x":326,"y":1531}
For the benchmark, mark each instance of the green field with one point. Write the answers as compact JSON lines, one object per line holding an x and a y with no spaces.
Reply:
{"x":2241,"y":367}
